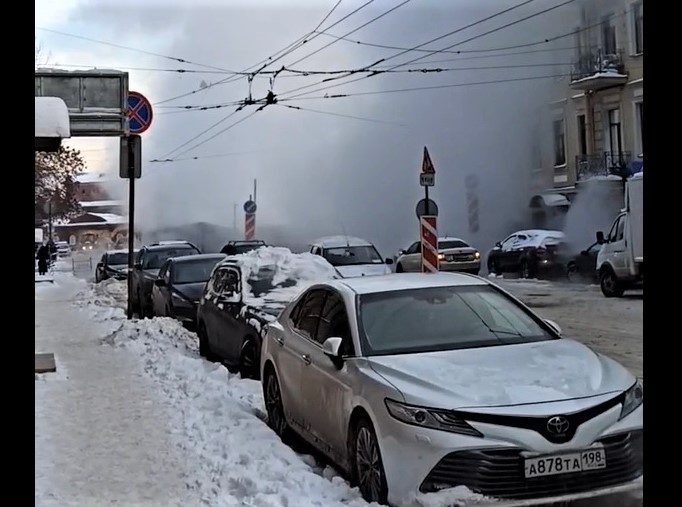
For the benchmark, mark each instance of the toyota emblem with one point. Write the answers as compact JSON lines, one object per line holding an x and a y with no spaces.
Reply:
{"x":558,"y":425}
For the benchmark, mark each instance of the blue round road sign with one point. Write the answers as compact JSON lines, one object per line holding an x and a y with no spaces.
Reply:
{"x":140,"y":113}
{"x":250,"y":207}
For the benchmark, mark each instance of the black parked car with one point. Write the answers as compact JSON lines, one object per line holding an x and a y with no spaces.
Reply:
{"x":147,"y":264}
{"x":240,"y":247}
{"x":113,"y":264}
{"x":229,"y":327}
{"x":584,"y":265}
{"x":530,"y":253}
{"x":179,"y":285}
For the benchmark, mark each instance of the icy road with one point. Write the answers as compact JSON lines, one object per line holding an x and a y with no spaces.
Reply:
{"x":134,"y":417}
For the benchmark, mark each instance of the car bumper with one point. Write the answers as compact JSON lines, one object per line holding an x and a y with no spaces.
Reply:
{"x":466,"y":267}
{"x":550,"y":268}
{"x":419,"y":461}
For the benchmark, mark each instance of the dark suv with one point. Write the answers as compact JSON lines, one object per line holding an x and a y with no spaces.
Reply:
{"x":148,"y":261}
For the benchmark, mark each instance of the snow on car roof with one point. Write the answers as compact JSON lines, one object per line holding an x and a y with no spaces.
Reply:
{"x":403,"y":281}
{"x":198,"y":257}
{"x":51,"y":118}
{"x":340,"y":241}
{"x":452,"y":238}
{"x":541,"y":232}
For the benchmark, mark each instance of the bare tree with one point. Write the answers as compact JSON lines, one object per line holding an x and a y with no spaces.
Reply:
{"x":55,"y":182}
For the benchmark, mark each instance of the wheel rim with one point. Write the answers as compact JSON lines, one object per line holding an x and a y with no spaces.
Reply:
{"x":608,"y":282}
{"x":249,"y":359}
{"x":273,"y":405}
{"x":368,"y":465}
{"x":570,"y":273}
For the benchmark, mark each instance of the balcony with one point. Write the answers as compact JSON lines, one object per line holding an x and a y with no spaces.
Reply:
{"x":596,"y":70}
{"x":604,"y":164}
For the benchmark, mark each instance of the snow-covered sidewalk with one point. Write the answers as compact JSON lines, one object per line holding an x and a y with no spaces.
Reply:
{"x":101,"y":435}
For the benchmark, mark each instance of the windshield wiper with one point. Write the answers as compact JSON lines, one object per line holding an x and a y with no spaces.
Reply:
{"x":504,"y":331}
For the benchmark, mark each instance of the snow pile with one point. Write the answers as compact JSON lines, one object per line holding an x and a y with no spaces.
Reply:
{"x":51,"y":118}
{"x":294,"y":271}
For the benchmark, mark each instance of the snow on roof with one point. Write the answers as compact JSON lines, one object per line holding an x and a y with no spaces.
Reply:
{"x":52,"y":118}
{"x":340,"y":241}
{"x":91,"y":177}
{"x":96,"y":204}
{"x":598,"y":75}
{"x":111,"y":218}
{"x":303,"y":269}
{"x":555,"y":200}
{"x":638,"y":176}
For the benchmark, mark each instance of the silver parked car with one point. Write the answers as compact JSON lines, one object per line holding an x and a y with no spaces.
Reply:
{"x":454,"y":254}
{"x":416,"y":383}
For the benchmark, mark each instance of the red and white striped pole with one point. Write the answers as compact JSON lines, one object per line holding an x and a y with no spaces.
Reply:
{"x":249,"y":226}
{"x":428,"y":233}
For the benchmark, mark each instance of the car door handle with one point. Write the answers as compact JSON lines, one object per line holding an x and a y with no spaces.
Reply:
{"x":306,"y":358}
{"x":279,"y":341}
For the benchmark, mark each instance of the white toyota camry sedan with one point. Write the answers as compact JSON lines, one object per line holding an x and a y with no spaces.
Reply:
{"x":416,"y":383}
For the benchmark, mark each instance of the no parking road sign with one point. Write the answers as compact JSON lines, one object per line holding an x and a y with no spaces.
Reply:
{"x":140,"y":113}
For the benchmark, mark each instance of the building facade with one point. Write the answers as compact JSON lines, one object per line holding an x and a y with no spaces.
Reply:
{"x":598,"y":121}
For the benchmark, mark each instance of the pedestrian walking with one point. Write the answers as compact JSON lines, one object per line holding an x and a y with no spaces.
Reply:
{"x":43,"y":256}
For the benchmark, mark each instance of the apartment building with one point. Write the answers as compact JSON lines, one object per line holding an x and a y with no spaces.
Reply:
{"x":597,"y":112}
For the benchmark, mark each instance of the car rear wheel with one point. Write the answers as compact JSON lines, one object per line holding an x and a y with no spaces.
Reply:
{"x":274,"y":406}
{"x":610,"y":286}
{"x":494,"y":268}
{"x":524,"y":269}
{"x":367,"y":466}
{"x":249,"y":360}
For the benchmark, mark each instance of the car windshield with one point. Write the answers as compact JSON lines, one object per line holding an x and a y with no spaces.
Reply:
{"x":118,"y":258}
{"x":154,"y":259}
{"x":451,"y":243}
{"x":443,"y":318}
{"x":352,"y":255}
{"x":196,"y":271}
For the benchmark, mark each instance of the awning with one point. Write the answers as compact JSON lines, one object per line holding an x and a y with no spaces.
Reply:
{"x":549,"y":201}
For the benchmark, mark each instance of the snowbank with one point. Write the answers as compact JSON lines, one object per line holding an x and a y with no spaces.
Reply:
{"x":51,"y":118}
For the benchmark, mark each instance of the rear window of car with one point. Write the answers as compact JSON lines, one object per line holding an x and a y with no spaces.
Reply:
{"x":451,"y":243}
{"x":154,"y":259}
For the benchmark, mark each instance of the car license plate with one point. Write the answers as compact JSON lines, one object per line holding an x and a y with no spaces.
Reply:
{"x":449,"y":258}
{"x":589,"y":459}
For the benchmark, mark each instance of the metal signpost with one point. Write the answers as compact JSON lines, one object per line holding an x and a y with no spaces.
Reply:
{"x":139,"y":120}
{"x":427,"y":211}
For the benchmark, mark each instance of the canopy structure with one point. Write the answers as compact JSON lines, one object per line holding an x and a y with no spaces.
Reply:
{"x":51,"y":123}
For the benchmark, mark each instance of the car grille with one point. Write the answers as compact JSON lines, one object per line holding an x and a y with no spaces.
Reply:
{"x":499,"y":473}
{"x":460,"y":258}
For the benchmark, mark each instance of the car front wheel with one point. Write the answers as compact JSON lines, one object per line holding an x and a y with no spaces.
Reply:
{"x":274,"y":405}
{"x":368,"y":468}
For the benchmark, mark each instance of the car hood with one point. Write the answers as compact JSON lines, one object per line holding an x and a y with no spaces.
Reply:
{"x":363,"y":270}
{"x":150,"y":273}
{"x":555,"y":370}
{"x":191,"y":291}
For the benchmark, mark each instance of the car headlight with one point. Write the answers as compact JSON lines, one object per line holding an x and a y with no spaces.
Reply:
{"x":477,"y":255}
{"x":441,"y":257}
{"x":634,"y":397}
{"x":434,"y":418}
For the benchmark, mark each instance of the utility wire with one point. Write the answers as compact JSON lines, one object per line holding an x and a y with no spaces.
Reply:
{"x":376,"y":18}
{"x":453,"y":32}
{"x":128,"y":48}
{"x":341,"y":115}
{"x":478,"y":36}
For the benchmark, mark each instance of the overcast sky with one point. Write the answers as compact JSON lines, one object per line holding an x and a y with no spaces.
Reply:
{"x":319,"y":173}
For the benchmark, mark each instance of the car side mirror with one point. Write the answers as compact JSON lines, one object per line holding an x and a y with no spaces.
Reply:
{"x":583,"y":252}
{"x":332,"y":349}
{"x":401,"y":252}
{"x":389,"y":261}
{"x":137,"y":265}
{"x":100,"y":264}
{"x":498,"y":245}
{"x":600,"y":237}
{"x":160,"y":282}
{"x":554,"y":326}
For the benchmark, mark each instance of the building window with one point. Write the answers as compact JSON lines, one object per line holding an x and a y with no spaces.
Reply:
{"x":559,"y":143}
{"x":640,"y":125}
{"x":608,"y":34}
{"x":638,"y":25}
{"x":582,"y":135}
{"x":615,"y":136}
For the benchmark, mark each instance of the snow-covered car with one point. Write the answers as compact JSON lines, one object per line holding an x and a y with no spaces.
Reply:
{"x":530,"y":253}
{"x":351,"y":256}
{"x":244,"y":294}
{"x":179,"y":285}
{"x":112,"y":264}
{"x":63,"y":249}
{"x":416,"y":383}
{"x":454,"y":254}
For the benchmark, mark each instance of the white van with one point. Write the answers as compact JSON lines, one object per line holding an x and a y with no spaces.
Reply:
{"x":351,"y":256}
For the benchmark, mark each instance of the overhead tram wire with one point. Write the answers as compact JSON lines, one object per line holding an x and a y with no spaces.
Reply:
{"x":453,"y":32}
{"x":478,"y":36}
{"x":341,"y":115}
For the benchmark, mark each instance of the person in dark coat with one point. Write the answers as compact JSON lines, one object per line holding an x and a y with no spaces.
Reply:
{"x":43,"y":256}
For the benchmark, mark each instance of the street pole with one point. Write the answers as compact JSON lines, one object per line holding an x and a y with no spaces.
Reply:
{"x":49,"y":221}
{"x":254,"y":190}
{"x":131,"y":243}
{"x":234,"y":216}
